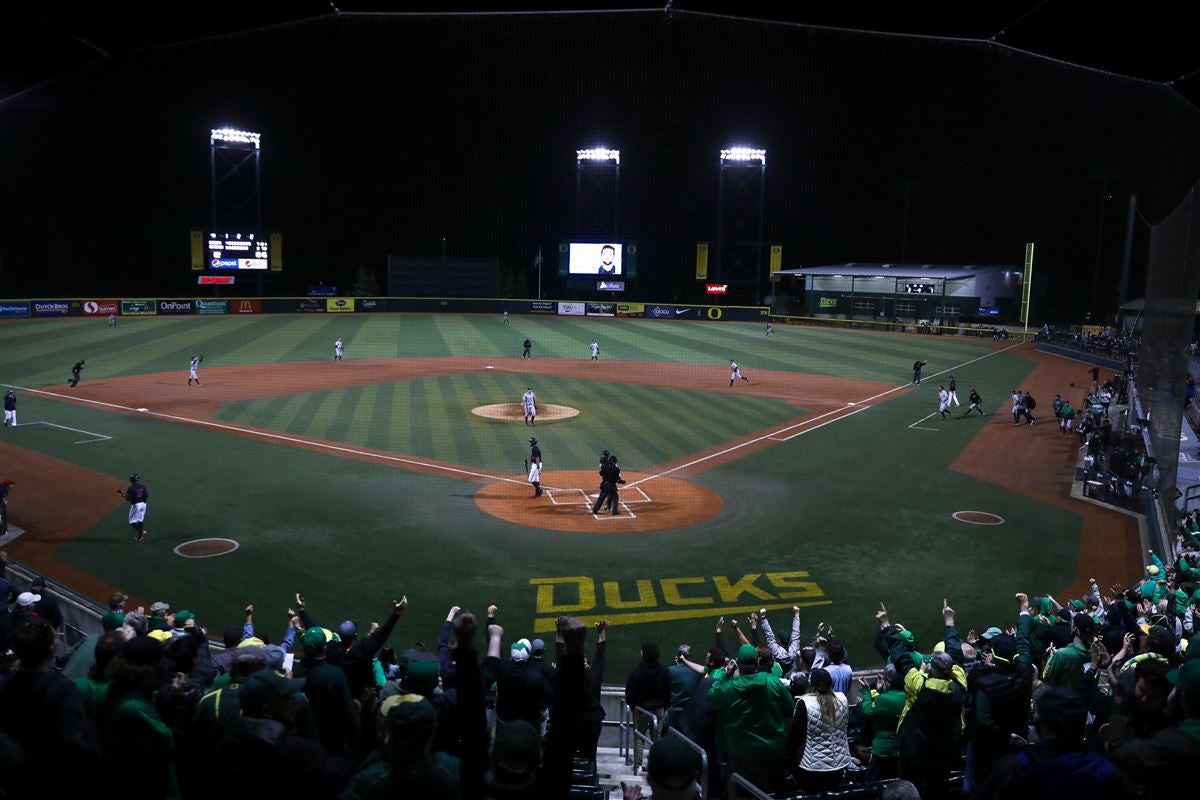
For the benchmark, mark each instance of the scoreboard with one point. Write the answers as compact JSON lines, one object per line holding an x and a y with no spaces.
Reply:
{"x":237,"y":251}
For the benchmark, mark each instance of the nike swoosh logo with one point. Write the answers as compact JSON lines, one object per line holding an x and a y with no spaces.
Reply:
{"x":682,"y":310}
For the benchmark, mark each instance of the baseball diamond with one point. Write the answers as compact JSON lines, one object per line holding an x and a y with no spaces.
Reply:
{"x":305,"y":462}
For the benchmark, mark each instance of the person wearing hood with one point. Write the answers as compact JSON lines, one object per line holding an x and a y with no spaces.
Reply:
{"x":648,"y":687}
{"x":262,"y":755}
{"x":521,"y":689}
{"x":1058,"y":765}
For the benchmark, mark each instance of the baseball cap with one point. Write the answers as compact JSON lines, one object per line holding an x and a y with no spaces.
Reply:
{"x":517,"y":747}
{"x":1160,"y":640}
{"x":265,"y":686}
{"x":1004,"y":646}
{"x":1152,"y":569}
{"x":422,"y":674}
{"x":37,"y":584}
{"x":672,"y":764}
{"x":161,"y":636}
{"x":414,"y":719}
{"x":159,"y":606}
{"x":991,"y":633}
{"x":538,"y":646}
{"x":26,"y":599}
{"x":747,"y":654}
{"x":117,"y":598}
{"x":183,"y":616}
{"x":941,"y":662}
{"x":314,"y":638}
{"x":519,"y":651}
{"x":348,"y":629}
{"x":1061,"y":711}
{"x":275,"y":656}
{"x":820,"y":679}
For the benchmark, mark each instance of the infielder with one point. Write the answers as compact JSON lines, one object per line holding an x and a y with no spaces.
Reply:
{"x":10,"y":409}
{"x":953,"y":393}
{"x":529,"y":399}
{"x":943,"y":401}
{"x":136,"y":495}
{"x":75,"y":370}
{"x":192,"y":375}
{"x":917,"y":365}
{"x":337,"y":349}
{"x":735,"y":372}
{"x":1016,"y":405}
{"x":595,"y":350}
{"x":770,"y":329}
{"x":505,"y":317}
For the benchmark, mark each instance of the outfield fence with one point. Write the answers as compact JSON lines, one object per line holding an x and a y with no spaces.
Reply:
{"x":979,"y":331}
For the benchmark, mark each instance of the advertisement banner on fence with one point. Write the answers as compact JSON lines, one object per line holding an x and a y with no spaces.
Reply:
{"x":666,"y":312}
{"x":175,"y":306}
{"x":14,"y":308}
{"x":53,"y":308}
{"x":337,"y":305}
{"x":602,"y":309}
{"x":571,"y":309}
{"x":245,"y":306}
{"x":310,"y":306}
{"x":101,"y":308}
{"x":211,"y":306}
{"x":369,"y":304}
{"x":542,"y":307}
{"x":828,"y":302}
{"x":631,"y":309}
{"x":138,"y":308}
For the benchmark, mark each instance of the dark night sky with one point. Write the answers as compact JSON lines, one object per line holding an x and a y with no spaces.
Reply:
{"x":382,"y":134}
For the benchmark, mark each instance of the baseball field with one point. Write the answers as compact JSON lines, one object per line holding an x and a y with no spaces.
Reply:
{"x":825,"y":481}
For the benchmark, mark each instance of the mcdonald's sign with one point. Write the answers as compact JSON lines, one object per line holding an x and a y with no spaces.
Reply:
{"x":245,"y":306}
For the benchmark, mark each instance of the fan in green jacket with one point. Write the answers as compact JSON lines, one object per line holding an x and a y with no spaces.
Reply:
{"x":751,"y":711}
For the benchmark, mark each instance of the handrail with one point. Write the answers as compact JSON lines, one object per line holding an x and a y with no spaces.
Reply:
{"x":703,"y":760}
{"x":754,"y":791}
{"x":653,"y":729}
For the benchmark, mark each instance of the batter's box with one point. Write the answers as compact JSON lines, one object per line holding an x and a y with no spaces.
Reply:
{"x":587,"y":500}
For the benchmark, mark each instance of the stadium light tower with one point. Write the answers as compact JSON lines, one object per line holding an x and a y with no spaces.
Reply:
{"x":236,"y":179}
{"x":740,"y":199}
{"x":597,"y":193}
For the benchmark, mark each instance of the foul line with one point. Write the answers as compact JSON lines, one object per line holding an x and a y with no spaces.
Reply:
{"x":100,"y":437}
{"x":265,"y":435}
{"x":916,"y":425}
{"x":774,"y":435}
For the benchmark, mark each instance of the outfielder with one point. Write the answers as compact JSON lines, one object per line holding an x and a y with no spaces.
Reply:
{"x":917,"y":366}
{"x":337,"y":349}
{"x":953,"y":393}
{"x":976,"y":402}
{"x":10,"y":409}
{"x":112,"y":320}
{"x":75,"y":370}
{"x":595,"y":350}
{"x":505,"y":317}
{"x":192,"y":375}
{"x":530,"y":401}
{"x":735,"y":372}
{"x":770,"y":329}
{"x":136,"y":495}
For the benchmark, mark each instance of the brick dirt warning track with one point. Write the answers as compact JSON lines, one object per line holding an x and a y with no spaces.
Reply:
{"x":166,"y":396}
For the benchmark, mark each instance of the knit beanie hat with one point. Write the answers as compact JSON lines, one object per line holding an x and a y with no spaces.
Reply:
{"x":520,"y":650}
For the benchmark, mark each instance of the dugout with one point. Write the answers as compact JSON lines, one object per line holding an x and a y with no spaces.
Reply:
{"x":911,"y":293}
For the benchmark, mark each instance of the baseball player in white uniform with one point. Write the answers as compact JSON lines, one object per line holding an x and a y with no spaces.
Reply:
{"x":735,"y":372}
{"x":505,"y":317}
{"x":529,"y":399}
{"x":943,"y":401}
{"x":770,"y":329}
{"x":192,"y":374}
{"x":1016,"y":405}
{"x":535,"y":477}
{"x":595,"y":350}
{"x":337,"y":349}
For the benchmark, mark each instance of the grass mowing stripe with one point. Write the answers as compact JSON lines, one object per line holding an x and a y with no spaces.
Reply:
{"x":323,"y":419}
{"x":344,"y":415}
{"x":363,"y":416}
{"x":262,"y":413}
{"x":285,"y":418}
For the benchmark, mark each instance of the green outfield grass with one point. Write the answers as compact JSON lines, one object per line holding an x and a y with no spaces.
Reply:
{"x":861,"y":506}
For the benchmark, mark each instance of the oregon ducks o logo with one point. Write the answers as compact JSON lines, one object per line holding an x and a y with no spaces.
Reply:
{"x":714,"y":313}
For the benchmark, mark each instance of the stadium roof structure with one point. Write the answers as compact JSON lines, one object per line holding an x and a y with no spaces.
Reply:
{"x":1148,"y":40}
{"x":948,"y":272}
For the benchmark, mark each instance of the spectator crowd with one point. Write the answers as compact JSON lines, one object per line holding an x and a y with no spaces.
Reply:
{"x":1096,"y":696}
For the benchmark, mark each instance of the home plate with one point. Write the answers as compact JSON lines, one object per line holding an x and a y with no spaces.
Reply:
{"x":143,"y":409}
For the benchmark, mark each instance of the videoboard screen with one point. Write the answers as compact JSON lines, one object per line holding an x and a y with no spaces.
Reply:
{"x":237,"y":251}
{"x":595,"y":258}
{"x":920,"y":288}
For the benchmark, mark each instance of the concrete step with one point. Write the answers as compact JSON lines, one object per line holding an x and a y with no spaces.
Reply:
{"x":612,"y":771}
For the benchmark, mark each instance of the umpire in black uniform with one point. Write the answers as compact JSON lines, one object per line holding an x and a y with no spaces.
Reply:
{"x":610,"y":476}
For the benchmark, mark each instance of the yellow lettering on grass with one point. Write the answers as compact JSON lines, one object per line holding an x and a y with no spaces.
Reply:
{"x":546,"y":604}
{"x":732,"y":593}
{"x":670,"y":589}
{"x":547,"y":624}
{"x":797,"y":587}
{"x":645,"y":595}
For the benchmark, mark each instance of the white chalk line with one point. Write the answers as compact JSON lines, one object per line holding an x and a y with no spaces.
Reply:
{"x":859,"y":410}
{"x":916,"y":426}
{"x":100,"y":437}
{"x":275,"y":436}
{"x":774,"y":435}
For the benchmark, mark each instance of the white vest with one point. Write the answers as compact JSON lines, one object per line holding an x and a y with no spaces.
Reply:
{"x":825,"y":749}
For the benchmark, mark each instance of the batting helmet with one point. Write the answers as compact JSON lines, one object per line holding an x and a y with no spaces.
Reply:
{"x":533,"y":440}
{"x":134,"y":478}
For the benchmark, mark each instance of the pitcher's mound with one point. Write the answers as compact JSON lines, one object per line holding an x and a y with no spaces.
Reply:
{"x":515,"y":412}
{"x":659,"y":504}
